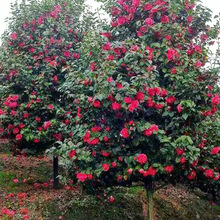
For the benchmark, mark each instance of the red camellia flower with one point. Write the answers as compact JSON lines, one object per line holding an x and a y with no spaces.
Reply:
{"x":129,"y":171}
{"x":8,"y":212}
{"x":107,"y":46}
{"x":140,"y":96}
{"x":173,"y":70}
{"x":165,"y":19}
{"x":16,"y":131}
{"x":197,"y":48}
{"x":76,"y":56}
{"x":38,"y":100}
{"x":182,"y":160}
{"x":170,"y":100}
{"x":116,"y":106}
{"x":105,"y":167}
{"x":72,"y":153}
{"x":148,"y":132}
{"x":127,"y":100}
{"x":179,"y":151}
{"x":89,"y":176}
{"x":81,"y":177}
{"x":163,"y":93}
{"x":149,"y":22}
{"x":209,"y":173}
{"x":2,"y":112}
{"x":110,"y":57}
{"x":150,"y":172}
{"x":38,"y":119}
{"x":105,"y":154}
{"x":198,"y":64}
{"x":168,"y":37}
{"x":190,"y":52}
{"x":122,"y":20}
{"x":19,"y":137}
{"x":47,"y":124}
{"x":135,"y":3}
{"x":168,"y":169}
{"x":50,"y":106}
{"x":215,"y":150}
{"x":66,"y":53}
{"x":86,"y":137}
{"x":55,"y":78}
{"x":191,"y":175}
{"x":189,"y":19}
{"x":92,"y":66}
{"x":36,"y":141}
{"x":124,"y":133}
{"x":13,"y":36}
{"x":15,"y":180}
{"x":96,"y":104}
{"x":171,"y":53}
{"x":179,"y":108}
{"x":45,"y":185}
{"x":216,"y":100}
{"x":154,"y":128}
{"x":94,"y":141}
{"x":151,"y":92}
{"x":96,"y":129}
{"x":142,"y":158}
{"x":111,"y":199}
{"x":148,"y":7}
{"x":204,"y":37}
{"x":105,"y":139}
{"x":134,"y":104}
{"x":114,"y":164}
{"x":32,"y":50}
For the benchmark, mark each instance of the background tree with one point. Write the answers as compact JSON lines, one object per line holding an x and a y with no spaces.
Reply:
{"x":39,"y":46}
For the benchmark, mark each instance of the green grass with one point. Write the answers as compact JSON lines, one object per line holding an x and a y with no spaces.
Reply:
{"x":6,"y":181}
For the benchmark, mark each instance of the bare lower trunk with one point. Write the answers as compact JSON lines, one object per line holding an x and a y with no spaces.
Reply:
{"x":150,"y":203}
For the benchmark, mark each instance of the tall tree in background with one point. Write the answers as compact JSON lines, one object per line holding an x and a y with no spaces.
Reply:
{"x":39,"y":47}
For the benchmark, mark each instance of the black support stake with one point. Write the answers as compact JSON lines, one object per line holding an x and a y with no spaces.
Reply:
{"x":55,"y":173}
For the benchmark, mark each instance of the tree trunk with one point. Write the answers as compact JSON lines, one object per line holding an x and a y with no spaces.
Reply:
{"x":150,"y":205}
{"x":55,"y":173}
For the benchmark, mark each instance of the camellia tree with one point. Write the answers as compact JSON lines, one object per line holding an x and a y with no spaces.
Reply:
{"x":141,"y":98}
{"x":39,"y":46}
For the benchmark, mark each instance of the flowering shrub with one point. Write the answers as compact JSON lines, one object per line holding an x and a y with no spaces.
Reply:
{"x":38,"y":49}
{"x":142,"y":100}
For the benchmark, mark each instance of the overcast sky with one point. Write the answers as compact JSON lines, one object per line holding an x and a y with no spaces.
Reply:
{"x":214,"y":5}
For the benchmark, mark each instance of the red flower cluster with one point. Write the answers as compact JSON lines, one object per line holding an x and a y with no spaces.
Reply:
{"x":148,"y":132}
{"x":171,"y":54}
